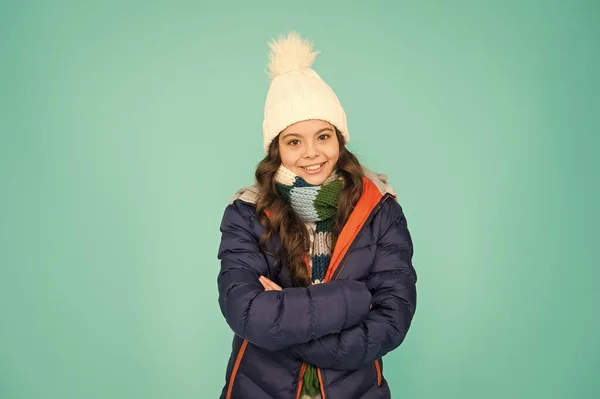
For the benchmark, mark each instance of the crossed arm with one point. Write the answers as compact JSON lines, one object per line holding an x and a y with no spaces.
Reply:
{"x":275,"y":319}
{"x":392,"y":283}
{"x":328,"y":325}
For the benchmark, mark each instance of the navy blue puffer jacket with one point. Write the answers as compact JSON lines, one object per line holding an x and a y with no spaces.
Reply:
{"x":328,"y":325}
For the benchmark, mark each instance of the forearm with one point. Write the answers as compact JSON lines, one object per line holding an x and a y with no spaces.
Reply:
{"x":279,"y":319}
{"x":381,"y":332}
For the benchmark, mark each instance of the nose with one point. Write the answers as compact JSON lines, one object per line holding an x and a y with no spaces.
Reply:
{"x":311,"y":151}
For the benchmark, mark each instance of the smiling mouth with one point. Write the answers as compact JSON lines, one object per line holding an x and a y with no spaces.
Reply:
{"x":313,"y":168}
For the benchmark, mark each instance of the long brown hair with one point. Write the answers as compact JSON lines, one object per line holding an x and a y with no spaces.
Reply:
{"x":286,"y":223}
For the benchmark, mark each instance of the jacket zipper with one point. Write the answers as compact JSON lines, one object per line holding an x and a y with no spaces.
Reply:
{"x":371,"y":215}
{"x":334,"y":277}
{"x":378,"y":370}
{"x":236,"y":367}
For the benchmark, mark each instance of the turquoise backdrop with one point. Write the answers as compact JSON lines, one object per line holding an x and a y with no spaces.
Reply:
{"x":127,"y":125}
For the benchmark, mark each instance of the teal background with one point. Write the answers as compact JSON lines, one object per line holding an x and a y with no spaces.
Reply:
{"x":126,"y":127}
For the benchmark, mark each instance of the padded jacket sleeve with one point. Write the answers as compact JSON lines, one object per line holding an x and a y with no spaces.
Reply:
{"x":393,"y":285}
{"x":278,"y":319}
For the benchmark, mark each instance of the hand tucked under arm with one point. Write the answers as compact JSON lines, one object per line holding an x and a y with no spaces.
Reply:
{"x":278,"y":319}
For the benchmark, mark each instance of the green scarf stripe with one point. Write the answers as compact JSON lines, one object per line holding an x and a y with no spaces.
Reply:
{"x":311,"y":385}
{"x":328,"y":195}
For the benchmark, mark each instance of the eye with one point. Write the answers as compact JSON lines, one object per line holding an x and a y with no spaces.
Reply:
{"x":293,"y":142}
{"x":326,"y":136}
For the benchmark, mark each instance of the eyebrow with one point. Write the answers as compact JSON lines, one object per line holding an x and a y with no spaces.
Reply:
{"x":298,"y":135}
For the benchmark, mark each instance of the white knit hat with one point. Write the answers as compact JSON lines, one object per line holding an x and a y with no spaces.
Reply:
{"x":296,"y":92}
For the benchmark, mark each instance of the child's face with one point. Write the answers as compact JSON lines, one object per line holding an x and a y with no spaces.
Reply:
{"x":311,"y":143}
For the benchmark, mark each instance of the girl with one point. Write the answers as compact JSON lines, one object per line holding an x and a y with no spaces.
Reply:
{"x":316,"y":278}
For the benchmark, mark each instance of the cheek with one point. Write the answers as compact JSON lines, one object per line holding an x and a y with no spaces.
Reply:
{"x":333,"y":153}
{"x":287,"y":158}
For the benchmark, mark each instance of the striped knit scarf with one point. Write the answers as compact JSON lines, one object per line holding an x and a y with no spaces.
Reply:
{"x":316,"y":206}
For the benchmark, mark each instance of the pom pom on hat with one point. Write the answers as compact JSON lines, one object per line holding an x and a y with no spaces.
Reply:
{"x":296,"y":92}
{"x":289,"y":54}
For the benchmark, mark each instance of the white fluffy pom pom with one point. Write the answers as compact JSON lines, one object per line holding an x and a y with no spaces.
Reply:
{"x":290,"y":53}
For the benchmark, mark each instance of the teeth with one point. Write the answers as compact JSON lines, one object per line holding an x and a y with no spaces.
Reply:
{"x":314,"y":167}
